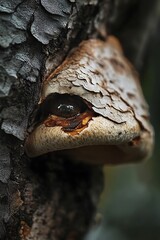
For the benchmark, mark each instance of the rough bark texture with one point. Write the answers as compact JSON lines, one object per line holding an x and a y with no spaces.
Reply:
{"x":52,"y":198}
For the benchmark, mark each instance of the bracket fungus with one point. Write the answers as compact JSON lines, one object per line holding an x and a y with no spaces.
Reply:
{"x":92,"y":108}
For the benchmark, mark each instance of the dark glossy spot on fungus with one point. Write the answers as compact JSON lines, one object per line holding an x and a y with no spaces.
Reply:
{"x":71,"y":112}
{"x":67,"y":106}
{"x":60,"y":105}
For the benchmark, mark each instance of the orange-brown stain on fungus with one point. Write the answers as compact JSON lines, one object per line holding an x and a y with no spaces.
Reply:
{"x":73,"y":125}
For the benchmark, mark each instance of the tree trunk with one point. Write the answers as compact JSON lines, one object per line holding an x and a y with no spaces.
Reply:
{"x":48,"y":198}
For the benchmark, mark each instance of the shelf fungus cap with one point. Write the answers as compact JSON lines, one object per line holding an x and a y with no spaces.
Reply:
{"x":92,"y":109}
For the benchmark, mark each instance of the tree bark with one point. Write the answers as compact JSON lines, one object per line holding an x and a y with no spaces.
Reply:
{"x":48,"y":198}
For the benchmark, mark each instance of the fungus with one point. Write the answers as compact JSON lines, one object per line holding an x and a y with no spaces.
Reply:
{"x":92,"y":108}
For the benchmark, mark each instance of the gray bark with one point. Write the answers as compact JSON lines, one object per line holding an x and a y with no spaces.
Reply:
{"x":52,"y":198}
